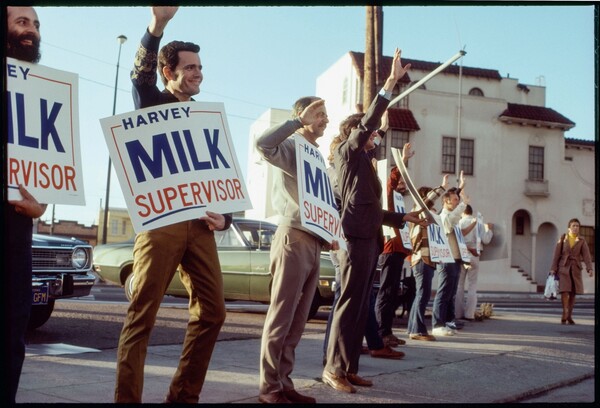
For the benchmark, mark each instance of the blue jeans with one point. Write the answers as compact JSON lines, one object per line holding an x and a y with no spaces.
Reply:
{"x":443,"y":304}
{"x":423,"y":274}
{"x":374,"y":341}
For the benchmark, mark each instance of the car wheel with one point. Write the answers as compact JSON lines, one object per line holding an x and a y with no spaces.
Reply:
{"x":40,"y":315}
{"x":314,"y":306}
{"x":129,"y":286}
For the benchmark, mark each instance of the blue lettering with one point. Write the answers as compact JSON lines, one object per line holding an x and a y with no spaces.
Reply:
{"x":198,"y":165}
{"x":12,"y":70}
{"x":24,"y":140}
{"x":141,"y":121}
{"x":25,"y":71}
{"x":48,"y":127}
{"x":175,"y":113}
{"x":127,"y":123}
{"x":213,"y":148}
{"x":318,"y":185}
{"x":153,"y":117}
{"x":160,"y":148}
{"x":180,"y":151}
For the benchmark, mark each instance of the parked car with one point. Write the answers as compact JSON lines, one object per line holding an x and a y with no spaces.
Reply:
{"x":244,"y":257}
{"x":62,"y":268}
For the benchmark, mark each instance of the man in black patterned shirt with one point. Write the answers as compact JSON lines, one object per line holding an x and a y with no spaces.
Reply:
{"x":157,"y":253}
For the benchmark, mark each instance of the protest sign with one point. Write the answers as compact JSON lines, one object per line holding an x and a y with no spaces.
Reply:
{"x":400,"y":208}
{"x":318,"y":210}
{"x":465,"y":255}
{"x":439,"y":249}
{"x":43,"y":150}
{"x":175,"y":162}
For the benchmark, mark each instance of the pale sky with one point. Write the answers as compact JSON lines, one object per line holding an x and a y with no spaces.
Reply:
{"x":256,"y":58}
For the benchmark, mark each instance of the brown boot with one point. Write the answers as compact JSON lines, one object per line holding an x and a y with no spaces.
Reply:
{"x":564,"y":298}
{"x":570,"y":311}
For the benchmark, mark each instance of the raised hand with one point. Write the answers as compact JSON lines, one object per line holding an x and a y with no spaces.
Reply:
{"x":398,"y":71}
{"x":310,"y":114}
{"x":160,"y":17}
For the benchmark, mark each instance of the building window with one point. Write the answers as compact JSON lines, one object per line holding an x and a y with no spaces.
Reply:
{"x":449,"y":155}
{"x":588,"y":234}
{"x":380,"y":151}
{"x":536,"y":163}
{"x":520,"y":225}
{"x":399,"y":138}
{"x":114,"y":227}
{"x":345,"y":91}
{"x":476,"y":92}
{"x":467,"y":154}
{"x":123,"y":227}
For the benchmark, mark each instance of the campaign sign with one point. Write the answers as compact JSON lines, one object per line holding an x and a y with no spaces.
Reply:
{"x":439,"y":249}
{"x":318,"y":210}
{"x":465,"y":255}
{"x":43,"y":152}
{"x":400,"y":208}
{"x":174,"y":162}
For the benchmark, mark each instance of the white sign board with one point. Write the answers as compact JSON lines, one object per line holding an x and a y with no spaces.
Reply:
{"x":318,"y":211}
{"x":439,"y":249}
{"x":175,"y":162}
{"x":43,"y":150}
{"x":399,"y":207}
{"x":465,"y":255}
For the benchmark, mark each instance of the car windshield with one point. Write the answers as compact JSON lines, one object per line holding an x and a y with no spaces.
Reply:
{"x":258,"y":234}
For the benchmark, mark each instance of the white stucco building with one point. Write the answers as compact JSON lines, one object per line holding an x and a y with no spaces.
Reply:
{"x":522,"y":173}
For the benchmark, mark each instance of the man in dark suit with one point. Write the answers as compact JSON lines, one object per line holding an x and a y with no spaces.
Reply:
{"x":362,"y":219}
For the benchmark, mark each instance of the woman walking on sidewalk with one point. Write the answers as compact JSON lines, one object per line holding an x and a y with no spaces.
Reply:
{"x":570,"y":251}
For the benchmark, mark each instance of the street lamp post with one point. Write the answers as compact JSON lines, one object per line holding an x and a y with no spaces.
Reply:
{"x":121,"y":39}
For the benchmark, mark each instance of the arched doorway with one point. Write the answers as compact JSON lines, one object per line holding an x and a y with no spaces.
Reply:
{"x":544,"y":249}
{"x":521,"y":249}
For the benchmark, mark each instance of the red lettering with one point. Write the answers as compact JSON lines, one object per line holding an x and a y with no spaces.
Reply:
{"x":140,"y":201}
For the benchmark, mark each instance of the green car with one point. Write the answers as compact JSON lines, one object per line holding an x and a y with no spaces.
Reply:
{"x":244,"y":256}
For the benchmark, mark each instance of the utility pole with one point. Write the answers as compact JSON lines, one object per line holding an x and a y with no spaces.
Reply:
{"x":373,"y":54}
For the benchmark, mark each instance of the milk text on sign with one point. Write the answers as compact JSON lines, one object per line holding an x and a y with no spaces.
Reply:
{"x":318,"y":185}
{"x":172,"y":148}
{"x":45,"y":137}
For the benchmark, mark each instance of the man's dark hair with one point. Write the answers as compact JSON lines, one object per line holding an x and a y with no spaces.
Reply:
{"x":348,"y":124}
{"x":169,"y":56}
{"x":301,"y":104}
{"x":16,"y":49}
{"x":572,"y":220}
{"x":468,"y":209}
{"x":449,"y":192}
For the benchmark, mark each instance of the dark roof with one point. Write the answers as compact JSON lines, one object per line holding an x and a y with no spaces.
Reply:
{"x":580,"y":142}
{"x":402,"y":119}
{"x":535,"y":113}
{"x":358,"y":59}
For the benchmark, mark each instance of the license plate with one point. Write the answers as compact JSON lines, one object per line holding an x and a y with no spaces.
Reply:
{"x":39,"y":295}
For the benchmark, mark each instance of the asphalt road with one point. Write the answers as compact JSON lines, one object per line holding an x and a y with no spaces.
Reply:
{"x":95,"y":321}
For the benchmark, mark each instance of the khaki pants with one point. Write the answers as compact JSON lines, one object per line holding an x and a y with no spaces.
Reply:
{"x":157,"y":254}
{"x":295,"y":263}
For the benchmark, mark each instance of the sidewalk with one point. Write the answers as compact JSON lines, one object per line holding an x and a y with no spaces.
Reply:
{"x":508,"y":358}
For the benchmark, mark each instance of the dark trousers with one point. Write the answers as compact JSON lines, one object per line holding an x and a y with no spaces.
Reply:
{"x":387,"y":298}
{"x":351,"y":311}
{"x":17,"y":231}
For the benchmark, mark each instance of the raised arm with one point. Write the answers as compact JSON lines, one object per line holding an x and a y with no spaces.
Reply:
{"x":160,"y":18}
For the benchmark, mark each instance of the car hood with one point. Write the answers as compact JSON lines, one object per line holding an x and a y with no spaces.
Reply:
{"x":55,"y":240}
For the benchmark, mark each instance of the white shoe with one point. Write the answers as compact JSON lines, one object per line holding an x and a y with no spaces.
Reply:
{"x":442,"y":331}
